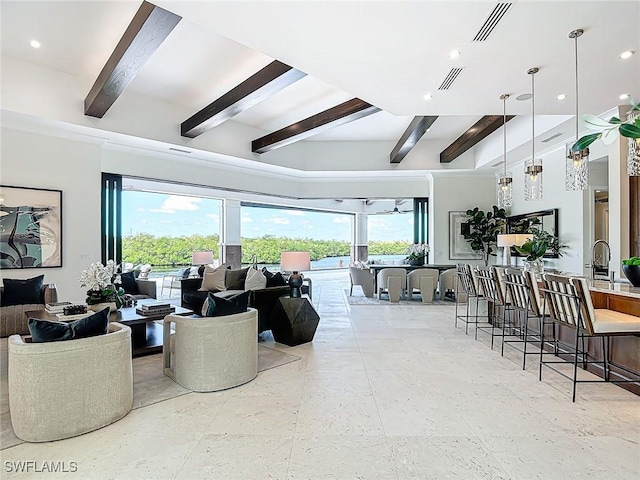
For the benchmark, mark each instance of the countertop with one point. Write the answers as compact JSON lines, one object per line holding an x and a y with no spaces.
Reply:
{"x":624,"y":289}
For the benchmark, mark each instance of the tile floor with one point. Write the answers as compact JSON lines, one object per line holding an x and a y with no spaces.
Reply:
{"x":383,"y":392}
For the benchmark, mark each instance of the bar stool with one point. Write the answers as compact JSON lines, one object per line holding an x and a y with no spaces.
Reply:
{"x":467,"y":282}
{"x":493,"y":290}
{"x":570,"y":305}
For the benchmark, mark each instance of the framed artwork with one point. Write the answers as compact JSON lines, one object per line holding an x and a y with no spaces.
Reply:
{"x":30,"y":227}
{"x":459,"y":248}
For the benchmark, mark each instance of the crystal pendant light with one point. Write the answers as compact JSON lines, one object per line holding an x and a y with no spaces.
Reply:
{"x":577,"y":171}
{"x":504,"y":179}
{"x":633,"y":155}
{"x":533,"y":166}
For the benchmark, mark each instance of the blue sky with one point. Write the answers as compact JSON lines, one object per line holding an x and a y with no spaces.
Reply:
{"x":176,"y":215}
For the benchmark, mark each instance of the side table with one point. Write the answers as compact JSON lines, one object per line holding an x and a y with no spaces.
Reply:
{"x":294,"y":320}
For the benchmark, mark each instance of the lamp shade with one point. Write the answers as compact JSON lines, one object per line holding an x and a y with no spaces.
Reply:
{"x":507,"y":240}
{"x":522,"y":238}
{"x":202,"y":257}
{"x":295,"y":261}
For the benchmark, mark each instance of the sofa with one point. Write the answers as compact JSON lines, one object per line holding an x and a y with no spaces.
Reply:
{"x":263,"y":300}
{"x":12,"y":317}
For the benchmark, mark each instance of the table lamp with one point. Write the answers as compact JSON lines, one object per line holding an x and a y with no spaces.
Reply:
{"x":508,"y":240}
{"x":202,"y":257}
{"x":295,"y":262}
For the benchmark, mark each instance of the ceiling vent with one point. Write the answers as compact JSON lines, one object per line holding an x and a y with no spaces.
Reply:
{"x":498,"y":12}
{"x":552,"y":137}
{"x":451,"y":77}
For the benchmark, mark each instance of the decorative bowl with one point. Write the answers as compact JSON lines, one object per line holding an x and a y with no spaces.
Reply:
{"x":632,"y":272}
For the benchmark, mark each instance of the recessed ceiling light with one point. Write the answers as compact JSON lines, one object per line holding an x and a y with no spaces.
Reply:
{"x":624,"y":96}
{"x":627,"y":54}
{"x":453,"y":54}
{"x":562,"y":96}
{"x":428,"y":96}
{"x":35,"y":43}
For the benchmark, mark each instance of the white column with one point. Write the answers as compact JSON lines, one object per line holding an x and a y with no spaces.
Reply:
{"x":230,"y":243}
{"x":359,"y":249}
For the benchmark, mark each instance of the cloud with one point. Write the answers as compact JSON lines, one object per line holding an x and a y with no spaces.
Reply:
{"x":294,"y":213}
{"x":247,"y":220}
{"x":140,"y":209}
{"x":277,"y":221}
{"x":213,"y":216}
{"x":341,"y":219}
{"x":378,"y":222}
{"x":175,"y":203}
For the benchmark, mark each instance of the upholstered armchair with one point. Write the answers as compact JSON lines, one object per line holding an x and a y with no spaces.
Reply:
{"x":362,"y":277}
{"x":62,"y":389}
{"x":425,"y":280}
{"x":393,"y":281}
{"x":211,"y":353}
{"x":13,"y":319}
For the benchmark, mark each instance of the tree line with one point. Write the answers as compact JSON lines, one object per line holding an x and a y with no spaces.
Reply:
{"x":145,"y":248}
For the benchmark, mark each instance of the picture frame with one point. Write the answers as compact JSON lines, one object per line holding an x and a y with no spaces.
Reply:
{"x":30,"y":228}
{"x":459,"y":248}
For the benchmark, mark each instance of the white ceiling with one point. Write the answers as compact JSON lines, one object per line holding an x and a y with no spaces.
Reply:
{"x":386,"y":53}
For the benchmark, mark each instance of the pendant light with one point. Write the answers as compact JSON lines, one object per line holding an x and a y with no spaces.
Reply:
{"x":533,"y":166}
{"x":633,"y":154}
{"x":504,"y":184}
{"x":577,"y":163}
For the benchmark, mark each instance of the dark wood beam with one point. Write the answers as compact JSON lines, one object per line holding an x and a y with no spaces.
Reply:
{"x":148,"y":29}
{"x":271,"y":79}
{"x":339,"y":115}
{"x":480,"y":130}
{"x":410,"y":137}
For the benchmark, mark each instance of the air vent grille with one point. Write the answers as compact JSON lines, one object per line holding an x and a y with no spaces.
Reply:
{"x":450,"y":78}
{"x":552,"y":137}
{"x":498,"y":12}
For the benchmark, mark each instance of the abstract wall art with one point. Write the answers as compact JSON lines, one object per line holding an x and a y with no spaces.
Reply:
{"x":30,"y":227}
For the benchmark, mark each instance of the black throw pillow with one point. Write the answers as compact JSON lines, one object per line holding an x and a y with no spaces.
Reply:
{"x":276,"y":280}
{"x":219,"y":307}
{"x":129,"y":284}
{"x":234,"y":279}
{"x":47,"y":331}
{"x":22,"y":292}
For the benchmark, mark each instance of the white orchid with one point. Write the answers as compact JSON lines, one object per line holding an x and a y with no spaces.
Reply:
{"x":98,"y":276}
{"x":417,"y":251}
{"x":609,"y":130}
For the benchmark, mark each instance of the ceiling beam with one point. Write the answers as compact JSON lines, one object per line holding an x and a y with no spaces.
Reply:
{"x":480,"y":130}
{"x":410,"y":137}
{"x":339,"y":115}
{"x":148,"y":29}
{"x":271,"y":79}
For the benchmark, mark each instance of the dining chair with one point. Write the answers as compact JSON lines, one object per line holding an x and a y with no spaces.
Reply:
{"x":392,"y":281}
{"x":425,"y":280}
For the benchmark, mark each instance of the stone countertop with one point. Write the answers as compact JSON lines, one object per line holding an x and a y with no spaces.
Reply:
{"x":624,"y":289}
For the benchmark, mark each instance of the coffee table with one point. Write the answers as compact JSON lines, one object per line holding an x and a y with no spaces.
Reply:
{"x":146,"y":335}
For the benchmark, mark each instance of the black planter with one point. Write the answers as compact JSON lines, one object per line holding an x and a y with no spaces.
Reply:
{"x":632,"y":272}
{"x":417,"y":263}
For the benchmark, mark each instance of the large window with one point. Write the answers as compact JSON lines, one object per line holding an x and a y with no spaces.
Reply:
{"x":163,"y":229}
{"x":389,"y":235}
{"x":268,"y":231}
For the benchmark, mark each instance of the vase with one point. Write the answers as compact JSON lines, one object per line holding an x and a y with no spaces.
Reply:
{"x":417,"y":262}
{"x":632,"y":272}
{"x":535,"y":266}
{"x":96,"y":307}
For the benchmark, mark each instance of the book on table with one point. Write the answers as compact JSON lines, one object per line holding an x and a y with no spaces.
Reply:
{"x":155,"y":306}
{"x":66,"y":318}
{"x":56,"y":307}
{"x":155,"y":311}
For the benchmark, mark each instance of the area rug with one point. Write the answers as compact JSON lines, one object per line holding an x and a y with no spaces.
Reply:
{"x":358,"y":298}
{"x":150,"y":384}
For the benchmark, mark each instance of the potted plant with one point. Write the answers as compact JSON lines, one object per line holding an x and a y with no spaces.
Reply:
{"x":417,"y":253}
{"x":482,"y":229}
{"x":102,"y":292}
{"x":631,"y":269}
{"x":533,"y":250}
{"x":608,"y":130}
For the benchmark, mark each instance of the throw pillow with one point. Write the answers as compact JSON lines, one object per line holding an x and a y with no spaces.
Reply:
{"x":234,"y":279}
{"x":255,"y":280}
{"x":213,"y":279}
{"x":266,"y":273}
{"x":48,"y":331}
{"x":22,"y":292}
{"x":277,"y":280}
{"x":129,"y":284}
{"x":217,"y":307}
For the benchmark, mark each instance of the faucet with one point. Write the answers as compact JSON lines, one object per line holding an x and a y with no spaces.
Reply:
{"x":593,"y":257}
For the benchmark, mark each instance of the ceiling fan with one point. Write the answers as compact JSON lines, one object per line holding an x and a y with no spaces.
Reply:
{"x":396,"y":209}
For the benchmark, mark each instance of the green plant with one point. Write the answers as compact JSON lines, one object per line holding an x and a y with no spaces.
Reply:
{"x":631,"y":261}
{"x":481,"y":229}
{"x":533,"y":249}
{"x":607,"y":130}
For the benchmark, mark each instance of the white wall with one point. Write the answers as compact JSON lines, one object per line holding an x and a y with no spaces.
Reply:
{"x":456,"y":193}
{"x":30,"y":160}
